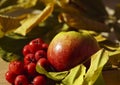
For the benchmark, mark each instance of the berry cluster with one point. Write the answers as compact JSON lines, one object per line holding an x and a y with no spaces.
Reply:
{"x":24,"y":72}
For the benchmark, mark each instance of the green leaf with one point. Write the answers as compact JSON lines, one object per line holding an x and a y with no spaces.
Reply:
{"x":75,"y":76}
{"x":78,"y":74}
{"x":98,"y":60}
{"x":57,"y":76}
{"x":11,"y":48}
{"x":8,"y":56}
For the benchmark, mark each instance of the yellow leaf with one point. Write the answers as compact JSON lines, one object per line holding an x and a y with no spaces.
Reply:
{"x":33,"y":21}
{"x":20,"y":4}
{"x":100,"y":38}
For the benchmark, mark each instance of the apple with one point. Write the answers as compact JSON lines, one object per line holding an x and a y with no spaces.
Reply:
{"x":68,"y":49}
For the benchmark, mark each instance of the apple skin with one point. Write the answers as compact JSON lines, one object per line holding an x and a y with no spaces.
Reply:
{"x":68,"y":49}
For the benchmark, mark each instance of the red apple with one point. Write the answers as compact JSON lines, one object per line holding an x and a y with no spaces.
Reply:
{"x":68,"y":49}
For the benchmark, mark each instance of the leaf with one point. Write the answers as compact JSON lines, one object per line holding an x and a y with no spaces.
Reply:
{"x":2,"y":2}
{"x":94,"y":9}
{"x":98,"y":60}
{"x":79,"y":21}
{"x":46,"y":2}
{"x":21,"y":4}
{"x":57,"y":76}
{"x":100,"y":38}
{"x":8,"y":23}
{"x":74,"y":14}
{"x":5,"y":3}
{"x":33,"y":21}
{"x":8,"y":56}
{"x":100,"y":80}
{"x":76,"y":76}
{"x":109,"y":45}
{"x":71,"y":77}
{"x":114,"y":58}
{"x":11,"y":48}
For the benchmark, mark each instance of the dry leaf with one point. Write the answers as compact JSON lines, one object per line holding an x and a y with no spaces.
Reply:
{"x":33,"y":21}
{"x":21,"y":4}
{"x":7,"y":24}
{"x":81,"y":22}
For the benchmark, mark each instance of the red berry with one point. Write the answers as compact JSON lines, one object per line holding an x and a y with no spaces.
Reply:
{"x":29,"y":58}
{"x":10,"y":77}
{"x":45,"y":46}
{"x":16,"y":67}
{"x":21,"y":80}
{"x":44,"y":63}
{"x":31,"y":68}
{"x":39,"y":80}
{"x":36,"y":44}
{"x":27,"y":49}
{"x":39,"y":54}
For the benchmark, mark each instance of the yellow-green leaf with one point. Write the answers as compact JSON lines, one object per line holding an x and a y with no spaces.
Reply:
{"x":56,"y":76}
{"x":20,"y":4}
{"x":33,"y":21}
{"x":76,"y":76}
{"x":98,"y":61}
